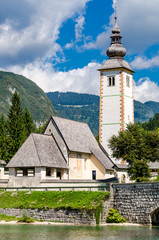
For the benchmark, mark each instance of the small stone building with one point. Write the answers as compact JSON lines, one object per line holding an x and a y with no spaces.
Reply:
{"x":66,"y":151}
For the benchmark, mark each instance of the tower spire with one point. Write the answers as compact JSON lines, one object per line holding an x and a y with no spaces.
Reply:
{"x":116,"y":49}
{"x":115,"y":11}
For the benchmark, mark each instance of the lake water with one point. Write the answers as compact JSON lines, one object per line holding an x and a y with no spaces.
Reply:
{"x":52,"y":232}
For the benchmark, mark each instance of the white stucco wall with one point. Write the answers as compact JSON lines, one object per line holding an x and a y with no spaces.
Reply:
{"x":2,"y":175}
{"x":116,"y":105}
{"x":120,"y":174}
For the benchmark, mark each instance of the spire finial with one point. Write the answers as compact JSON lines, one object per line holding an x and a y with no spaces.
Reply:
{"x":115,"y":11}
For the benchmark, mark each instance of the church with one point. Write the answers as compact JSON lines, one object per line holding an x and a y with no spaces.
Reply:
{"x":67,"y":151}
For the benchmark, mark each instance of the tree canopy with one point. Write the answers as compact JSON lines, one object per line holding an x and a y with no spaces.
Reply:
{"x":16,"y":129}
{"x":135,"y":144}
{"x":137,"y":147}
{"x":152,"y":124}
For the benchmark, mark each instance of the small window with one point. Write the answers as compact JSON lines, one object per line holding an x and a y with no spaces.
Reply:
{"x":127,"y":81}
{"x":111,"y":81}
{"x":94,"y":175}
{"x":59,"y":175}
{"x":48,"y":172}
{"x":79,"y":156}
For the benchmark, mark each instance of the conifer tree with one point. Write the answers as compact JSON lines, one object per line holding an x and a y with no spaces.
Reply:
{"x":15,"y":125}
{"x":28,"y":122}
{"x":3,"y":139}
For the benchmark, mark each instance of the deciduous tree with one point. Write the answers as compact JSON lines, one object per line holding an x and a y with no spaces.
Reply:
{"x":137,"y":147}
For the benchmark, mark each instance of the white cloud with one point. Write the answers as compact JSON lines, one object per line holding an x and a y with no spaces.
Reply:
{"x":137,"y":20}
{"x":144,"y":63}
{"x":79,"y":27}
{"x":146,"y":90}
{"x":35,"y":38}
{"x":83,"y":80}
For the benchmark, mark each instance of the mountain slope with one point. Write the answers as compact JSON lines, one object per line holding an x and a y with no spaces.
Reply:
{"x":31,"y":96}
{"x":78,"y":107}
{"x":85,"y":108}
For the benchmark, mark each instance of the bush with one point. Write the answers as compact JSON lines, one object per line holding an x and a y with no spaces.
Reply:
{"x":114,"y":217}
{"x":25,"y":219}
{"x":156,"y":179}
{"x":142,"y":179}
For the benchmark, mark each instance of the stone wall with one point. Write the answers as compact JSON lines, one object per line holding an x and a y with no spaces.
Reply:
{"x":66,"y":216}
{"x":137,"y":202}
{"x":61,"y":215}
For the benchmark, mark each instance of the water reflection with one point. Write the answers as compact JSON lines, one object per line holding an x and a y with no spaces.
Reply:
{"x":50,"y":232}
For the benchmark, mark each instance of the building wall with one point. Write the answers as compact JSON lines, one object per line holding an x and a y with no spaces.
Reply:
{"x":82,"y":165}
{"x":2,"y":175}
{"x":123,"y":176}
{"x":116,"y":105}
{"x":25,"y":181}
{"x":109,"y":174}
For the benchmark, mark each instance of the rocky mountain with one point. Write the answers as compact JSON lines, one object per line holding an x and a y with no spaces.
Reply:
{"x":31,"y":96}
{"x":85,"y":108}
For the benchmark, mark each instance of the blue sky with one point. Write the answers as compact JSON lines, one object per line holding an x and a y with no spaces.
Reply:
{"x":60,"y":44}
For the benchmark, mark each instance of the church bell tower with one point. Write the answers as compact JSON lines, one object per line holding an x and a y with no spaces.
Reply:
{"x":116,"y":91}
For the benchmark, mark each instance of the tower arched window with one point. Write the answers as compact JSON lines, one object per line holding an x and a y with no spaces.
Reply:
{"x":111,"y":81}
{"x":127,"y":81}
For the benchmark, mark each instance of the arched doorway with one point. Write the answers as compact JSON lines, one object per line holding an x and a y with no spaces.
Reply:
{"x":155,"y":217}
{"x":123,"y":178}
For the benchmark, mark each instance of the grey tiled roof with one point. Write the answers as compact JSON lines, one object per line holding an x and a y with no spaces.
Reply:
{"x":77,"y":135}
{"x":38,"y":151}
{"x":153,"y":165}
{"x":2,"y":162}
{"x":115,"y":63}
{"x":79,"y":138}
{"x":122,"y":166}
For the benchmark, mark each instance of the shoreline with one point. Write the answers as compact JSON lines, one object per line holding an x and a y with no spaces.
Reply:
{"x":70,"y":224}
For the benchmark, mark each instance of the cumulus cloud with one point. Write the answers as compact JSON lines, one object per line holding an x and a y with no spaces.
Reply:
{"x":24,"y":41}
{"x":83,"y":80}
{"x":144,"y":63}
{"x":146,"y":90}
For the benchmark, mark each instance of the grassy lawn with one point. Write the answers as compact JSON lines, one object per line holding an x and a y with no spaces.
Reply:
{"x":7,"y":218}
{"x":80,"y":200}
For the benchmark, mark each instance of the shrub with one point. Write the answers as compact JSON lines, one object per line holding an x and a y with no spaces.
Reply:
{"x":156,"y":179}
{"x":114,"y":217}
{"x":142,"y":179}
{"x":26,"y":219}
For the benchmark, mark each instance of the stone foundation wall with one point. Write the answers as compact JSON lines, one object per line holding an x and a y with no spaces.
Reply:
{"x":136,"y":201}
{"x":65,"y":216}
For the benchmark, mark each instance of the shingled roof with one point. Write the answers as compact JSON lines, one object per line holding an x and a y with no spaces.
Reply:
{"x":39,"y":150}
{"x":153,"y":165}
{"x":114,"y":63}
{"x":77,"y":135}
{"x":79,"y":138}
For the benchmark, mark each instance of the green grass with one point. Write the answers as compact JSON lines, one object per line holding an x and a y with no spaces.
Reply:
{"x":80,"y":200}
{"x":6,"y":218}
